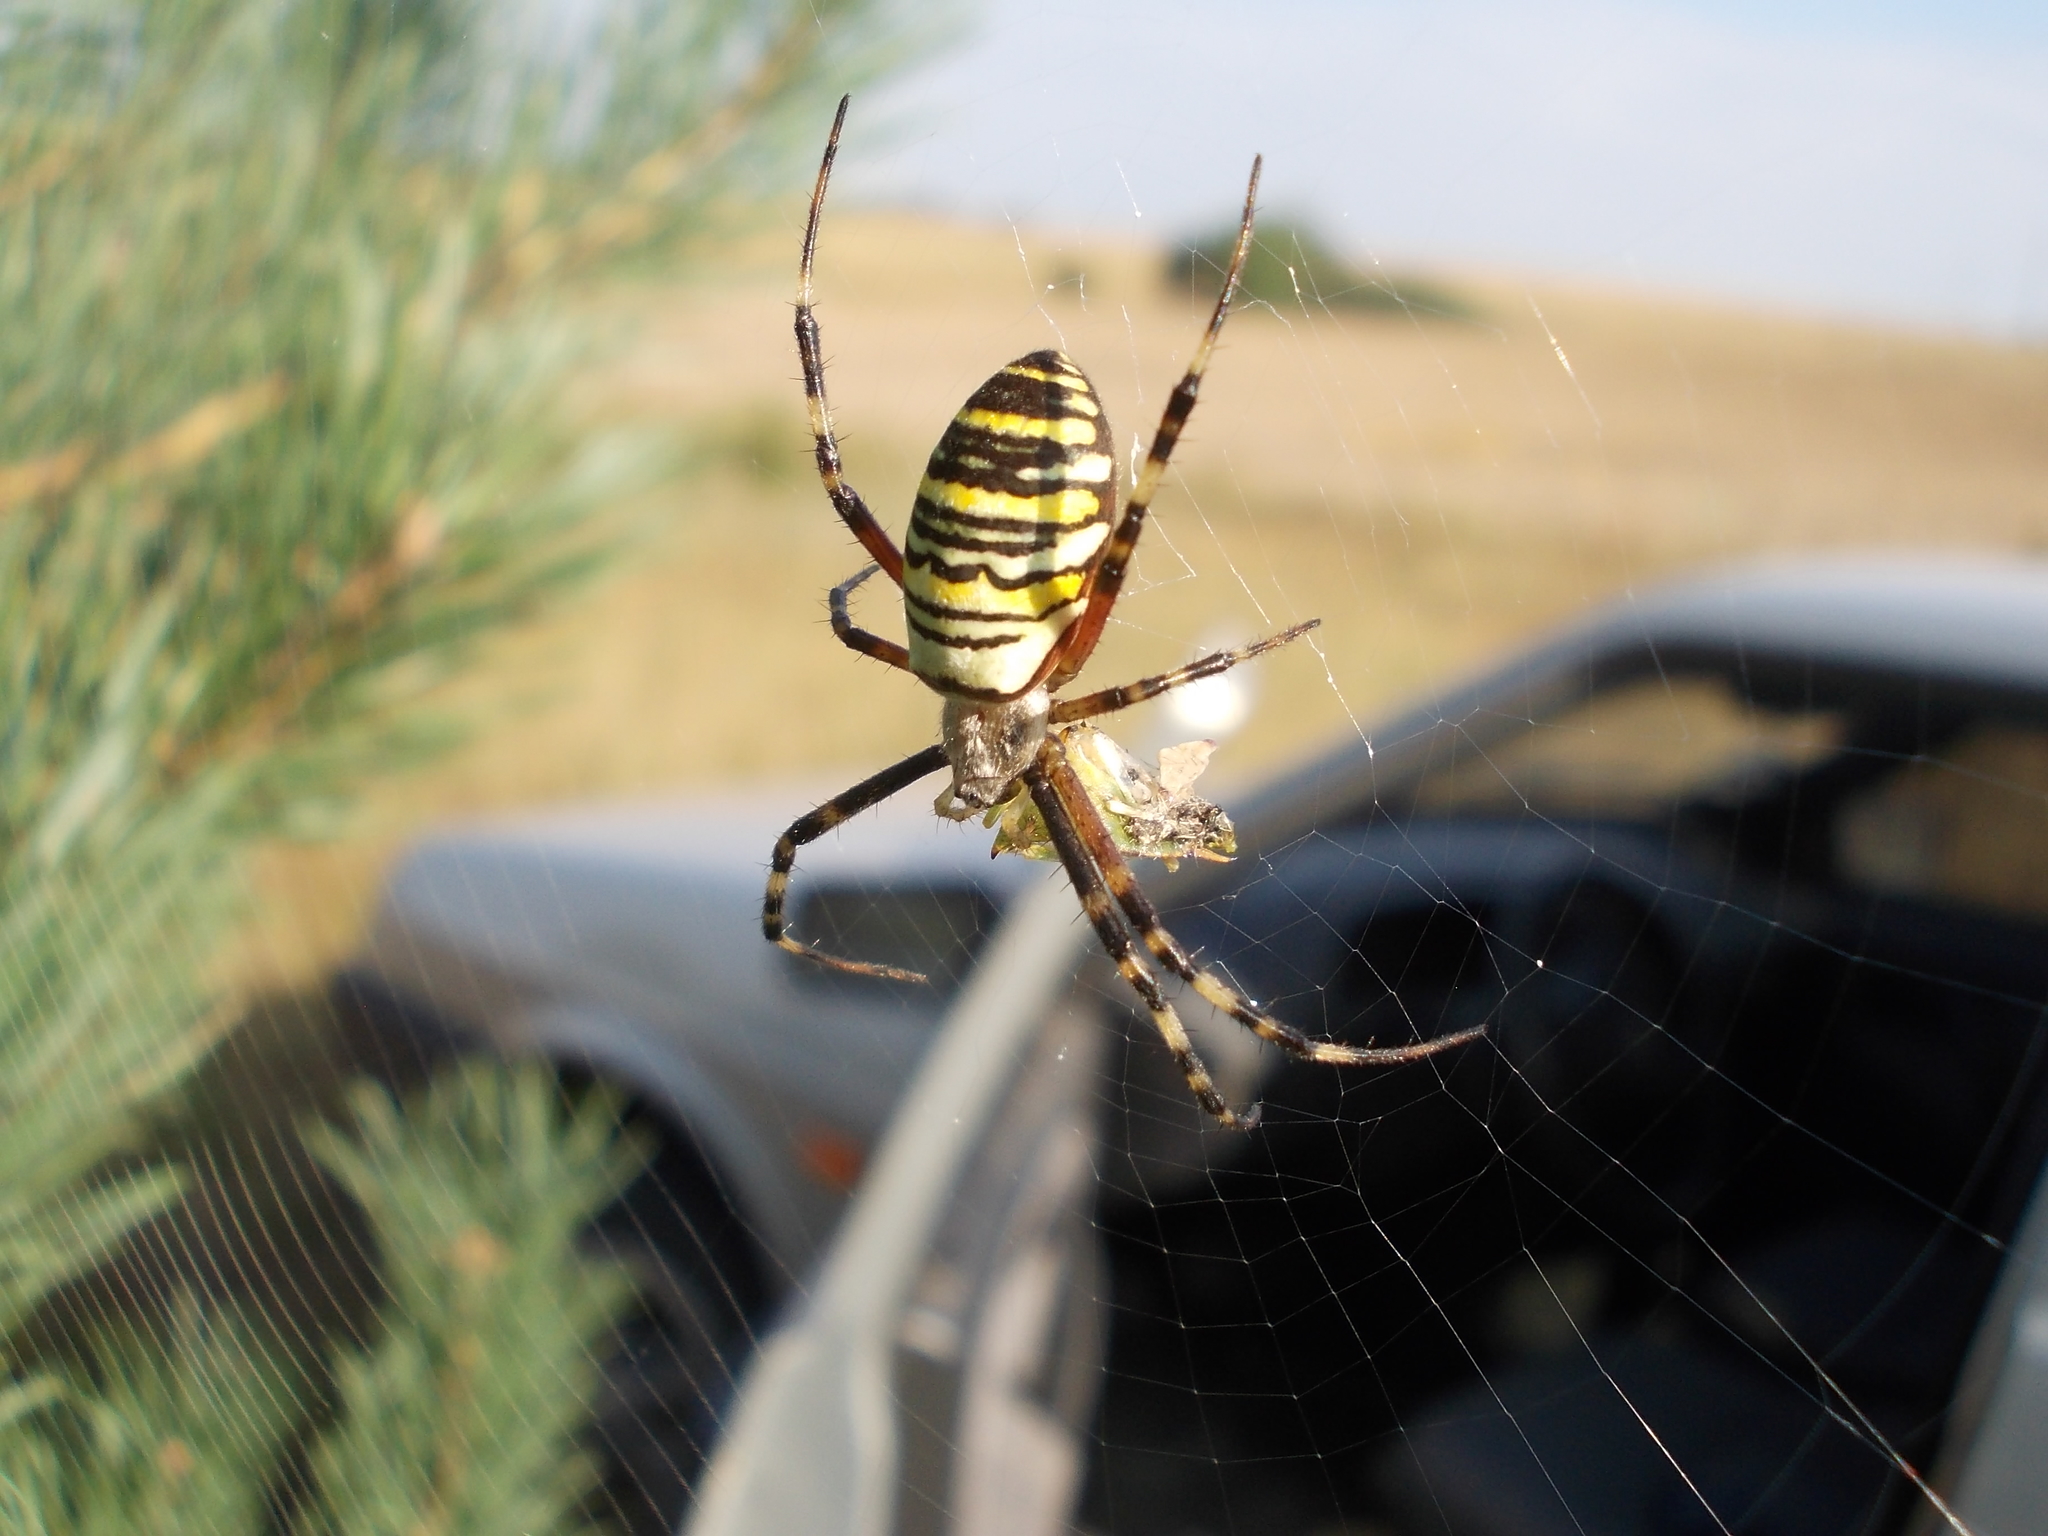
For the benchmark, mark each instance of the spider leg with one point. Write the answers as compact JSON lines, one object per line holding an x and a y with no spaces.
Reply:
{"x":1109,"y":700}
{"x":846,"y":501}
{"x":1144,"y":917}
{"x":1095,"y":903}
{"x":1078,"y":643}
{"x":859,"y":639}
{"x":809,"y":828}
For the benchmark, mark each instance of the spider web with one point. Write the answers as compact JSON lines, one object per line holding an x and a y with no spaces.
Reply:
{"x":1662,"y":1254}
{"x":1701,"y":1237}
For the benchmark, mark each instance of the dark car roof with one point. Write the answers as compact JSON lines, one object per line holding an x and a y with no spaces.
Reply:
{"x":1981,"y":618}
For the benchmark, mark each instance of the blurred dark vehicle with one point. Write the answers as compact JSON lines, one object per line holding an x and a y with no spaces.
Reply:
{"x":1725,"y":1227}
{"x":1750,"y":879}
{"x":624,"y":945}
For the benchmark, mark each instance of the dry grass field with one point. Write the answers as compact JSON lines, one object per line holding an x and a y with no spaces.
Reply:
{"x":1435,"y":489}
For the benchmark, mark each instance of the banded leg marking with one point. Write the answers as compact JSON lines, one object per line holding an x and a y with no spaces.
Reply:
{"x":1110,"y":700}
{"x":860,"y":639}
{"x":809,"y":828}
{"x":1079,"y":642}
{"x":846,"y":501}
{"x":1144,"y":917}
{"x":1101,"y":914}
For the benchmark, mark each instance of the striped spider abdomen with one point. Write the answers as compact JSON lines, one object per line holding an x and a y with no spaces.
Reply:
{"x":1010,"y":521}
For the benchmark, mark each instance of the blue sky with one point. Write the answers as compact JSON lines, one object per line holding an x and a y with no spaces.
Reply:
{"x":1996,"y":25}
{"x":1876,"y":160}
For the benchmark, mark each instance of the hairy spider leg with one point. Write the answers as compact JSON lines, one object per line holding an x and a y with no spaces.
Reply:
{"x":860,"y":639}
{"x":1101,"y":913}
{"x":846,"y":501}
{"x":1110,"y":700}
{"x":809,"y":828}
{"x":1144,"y":917}
{"x":1079,"y":641}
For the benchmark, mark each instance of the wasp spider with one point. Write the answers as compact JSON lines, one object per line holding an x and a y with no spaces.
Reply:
{"x":1014,"y":559}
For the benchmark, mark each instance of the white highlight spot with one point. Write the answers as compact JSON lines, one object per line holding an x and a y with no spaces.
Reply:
{"x":1213,"y":707}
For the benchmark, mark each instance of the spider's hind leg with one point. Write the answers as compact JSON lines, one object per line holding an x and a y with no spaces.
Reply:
{"x":1101,"y":913}
{"x":811,"y":827}
{"x":1067,"y":789}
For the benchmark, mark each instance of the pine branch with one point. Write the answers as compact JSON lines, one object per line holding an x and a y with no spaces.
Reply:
{"x":179,"y":1427}
{"x":280,"y":364}
{"x":276,"y":445}
{"x":463,"y":1417}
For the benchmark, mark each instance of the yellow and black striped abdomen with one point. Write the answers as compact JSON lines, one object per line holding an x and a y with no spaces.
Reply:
{"x":1012,"y":515}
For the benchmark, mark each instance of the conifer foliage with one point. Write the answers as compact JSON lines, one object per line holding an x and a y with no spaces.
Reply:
{"x":286,"y":294}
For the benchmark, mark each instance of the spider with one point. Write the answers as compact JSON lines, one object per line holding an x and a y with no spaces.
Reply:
{"x":1014,"y":559}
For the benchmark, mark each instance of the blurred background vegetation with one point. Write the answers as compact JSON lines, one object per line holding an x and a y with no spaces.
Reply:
{"x":1292,"y":266}
{"x":293,"y":297}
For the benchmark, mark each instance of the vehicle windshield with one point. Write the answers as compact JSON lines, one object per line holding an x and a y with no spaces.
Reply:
{"x":1966,"y":827}
{"x":1628,"y":749}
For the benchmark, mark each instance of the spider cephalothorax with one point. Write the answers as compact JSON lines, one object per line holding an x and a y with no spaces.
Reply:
{"x":988,"y":747}
{"x":1015,"y":556}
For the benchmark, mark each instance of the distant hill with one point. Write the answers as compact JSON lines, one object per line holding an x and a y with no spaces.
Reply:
{"x":1290,"y":266}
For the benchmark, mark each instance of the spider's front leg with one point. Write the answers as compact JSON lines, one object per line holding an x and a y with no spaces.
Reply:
{"x":1104,"y":585}
{"x":1096,"y":904}
{"x":1065,"y":787}
{"x":846,"y":501}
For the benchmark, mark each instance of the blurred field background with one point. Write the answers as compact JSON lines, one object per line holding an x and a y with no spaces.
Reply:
{"x":1436,"y":487}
